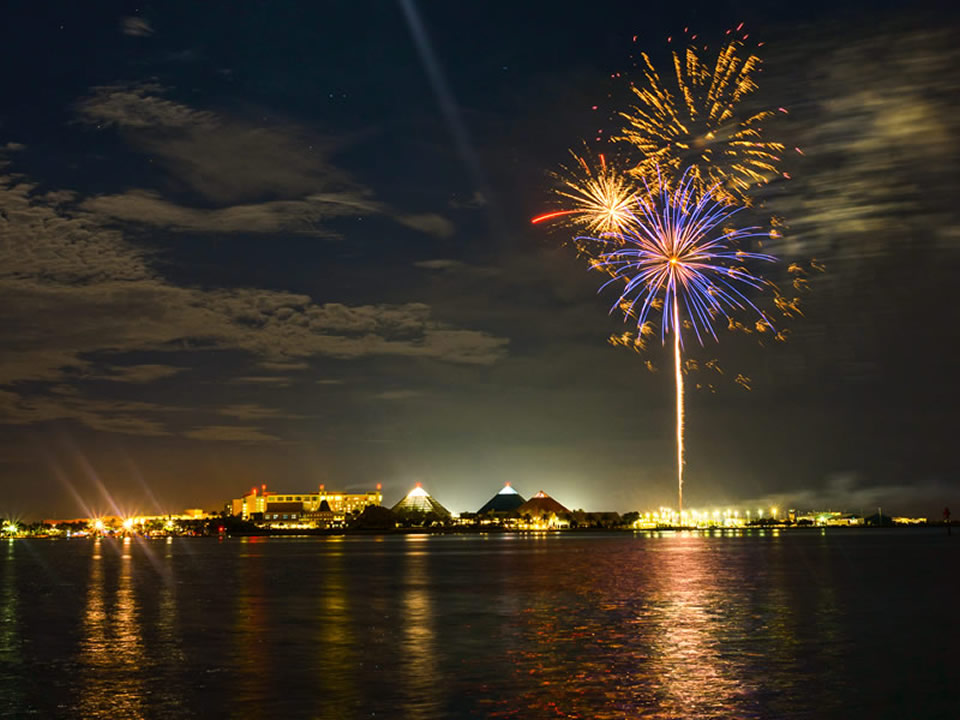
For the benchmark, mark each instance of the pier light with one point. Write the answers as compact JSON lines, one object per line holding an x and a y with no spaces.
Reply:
{"x":98,"y":525}
{"x":128,"y":524}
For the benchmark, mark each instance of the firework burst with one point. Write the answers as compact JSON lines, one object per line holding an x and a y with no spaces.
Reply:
{"x":695,"y":126}
{"x":678,"y":257}
{"x":677,"y":251}
{"x":598,"y":199}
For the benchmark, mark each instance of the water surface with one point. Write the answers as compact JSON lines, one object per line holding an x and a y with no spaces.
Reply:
{"x":792,"y":624}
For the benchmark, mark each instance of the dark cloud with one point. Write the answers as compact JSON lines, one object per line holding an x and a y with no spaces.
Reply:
{"x":232,"y":434}
{"x":71,"y":289}
{"x":272,"y":380}
{"x":128,"y":418}
{"x":477,"y":201}
{"x":284,"y":366}
{"x":855,"y":492}
{"x":252,"y":411}
{"x":140,"y":373}
{"x":397,"y":394}
{"x":440,"y":264}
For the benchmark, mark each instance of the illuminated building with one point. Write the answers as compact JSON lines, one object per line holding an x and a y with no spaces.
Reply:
{"x":419,"y":500}
{"x":505,"y":501}
{"x":543,"y":511}
{"x":822,"y":518}
{"x":294,"y":506}
{"x":249,"y":504}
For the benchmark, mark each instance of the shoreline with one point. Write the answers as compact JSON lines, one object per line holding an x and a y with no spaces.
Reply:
{"x":466,"y":530}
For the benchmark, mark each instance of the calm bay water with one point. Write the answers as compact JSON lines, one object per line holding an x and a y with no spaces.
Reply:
{"x":796,"y":624}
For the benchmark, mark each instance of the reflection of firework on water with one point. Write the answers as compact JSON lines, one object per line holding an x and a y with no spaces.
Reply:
{"x":695,"y":126}
{"x":677,"y":258}
{"x":598,"y":199}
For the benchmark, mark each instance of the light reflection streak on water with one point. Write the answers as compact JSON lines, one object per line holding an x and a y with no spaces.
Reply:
{"x":10,"y":655}
{"x":249,"y":633}
{"x":168,"y":653}
{"x":657,"y":630}
{"x":690,"y":619}
{"x":335,"y":640}
{"x":111,"y":651}
{"x":783,"y":623}
{"x":418,"y":643}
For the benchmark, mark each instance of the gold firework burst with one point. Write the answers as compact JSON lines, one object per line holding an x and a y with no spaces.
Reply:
{"x":598,"y":199}
{"x":697,"y":126}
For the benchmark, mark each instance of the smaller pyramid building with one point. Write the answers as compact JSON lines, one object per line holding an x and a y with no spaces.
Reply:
{"x":505,"y":501}
{"x":541,"y":504}
{"x":419,"y":500}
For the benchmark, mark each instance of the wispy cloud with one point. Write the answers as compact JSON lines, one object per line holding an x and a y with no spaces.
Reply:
{"x":305,"y":216}
{"x":136,"y":27}
{"x":879,"y":144}
{"x":259,"y":178}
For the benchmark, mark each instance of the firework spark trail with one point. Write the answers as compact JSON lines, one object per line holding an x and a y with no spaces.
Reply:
{"x":678,"y":377}
{"x":696,"y":127}
{"x":676,"y":256}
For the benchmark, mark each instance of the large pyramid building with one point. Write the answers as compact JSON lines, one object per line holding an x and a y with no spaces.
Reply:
{"x":542,"y":504}
{"x":419,"y":500}
{"x":507,"y":500}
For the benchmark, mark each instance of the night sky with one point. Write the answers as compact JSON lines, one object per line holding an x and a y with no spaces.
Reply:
{"x":271,"y":242}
